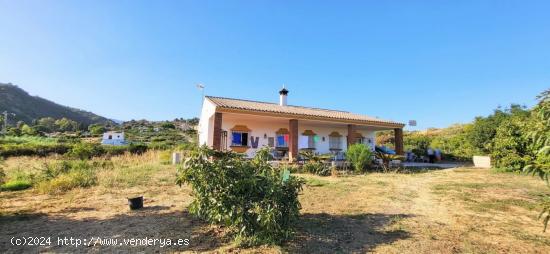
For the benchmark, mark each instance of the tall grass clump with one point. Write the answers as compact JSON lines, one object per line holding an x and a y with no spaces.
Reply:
{"x":256,"y":202}
{"x":61,"y":176}
{"x":131,"y":170}
{"x":2,"y":174}
{"x":17,"y":180}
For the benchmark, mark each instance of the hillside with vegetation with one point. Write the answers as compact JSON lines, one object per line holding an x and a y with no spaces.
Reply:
{"x":29,"y":108}
{"x":505,"y":136}
{"x":56,"y":176}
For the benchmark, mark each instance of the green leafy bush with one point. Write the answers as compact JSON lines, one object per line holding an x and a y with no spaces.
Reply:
{"x":538,"y":135}
{"x":16,"y":180}
{"x":510,"y":145}
{"x":360,"y":156}
{"x":2,"y":174}
{"x":84,"y":151}
{"x":15,"y":185}
{"x":137,"y":148}
{"x":387,"y":158}
{"x":256,"y":202}
{"x":316,"y":167}
{"x":9,"y":150}
{"x":316,"y":164}
{"x":109,"y":150}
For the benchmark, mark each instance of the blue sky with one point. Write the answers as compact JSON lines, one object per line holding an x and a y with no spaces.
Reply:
{"x":439,"y":62}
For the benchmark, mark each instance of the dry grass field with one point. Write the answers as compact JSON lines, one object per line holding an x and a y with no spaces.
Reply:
{"x":459,"y":210}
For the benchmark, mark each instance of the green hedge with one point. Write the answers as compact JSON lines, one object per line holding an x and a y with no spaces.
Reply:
{"x":78,"y":150}
{"x":9,"y":150}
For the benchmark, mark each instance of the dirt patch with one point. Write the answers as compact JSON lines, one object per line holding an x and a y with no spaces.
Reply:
{"x":432,"y":212}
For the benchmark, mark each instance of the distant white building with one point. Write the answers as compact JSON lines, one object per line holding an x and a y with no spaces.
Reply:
{"x":113,"y":138}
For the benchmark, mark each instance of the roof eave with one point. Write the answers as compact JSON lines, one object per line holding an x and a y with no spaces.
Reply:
{"x":309,"y":117}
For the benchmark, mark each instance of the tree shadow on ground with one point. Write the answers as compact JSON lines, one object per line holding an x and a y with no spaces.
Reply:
{"x":316,"y":233}
{"x":153,"y":223}
{"x":326,"y":233}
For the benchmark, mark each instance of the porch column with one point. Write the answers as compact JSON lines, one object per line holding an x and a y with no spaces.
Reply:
{"x":398,"y":132}
{"x":217,"y":144}
{"x":351,"y":134}
{"x":293,"y":140}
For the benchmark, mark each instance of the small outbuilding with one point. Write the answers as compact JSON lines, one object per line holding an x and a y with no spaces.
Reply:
{"x":113,"y":138}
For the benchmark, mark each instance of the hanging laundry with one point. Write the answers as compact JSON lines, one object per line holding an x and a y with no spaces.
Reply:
{"x":280,"y":140}
{"x":303,"y":142}
{"x":236,"y":140}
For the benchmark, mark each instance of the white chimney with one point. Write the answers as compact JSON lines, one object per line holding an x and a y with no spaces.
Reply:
{"x":282,"y":96}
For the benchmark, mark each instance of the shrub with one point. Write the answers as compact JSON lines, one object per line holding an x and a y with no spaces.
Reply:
{"x":137,"y":148}
{"x":316,"y":167}
{"x":359,"y":156}
{"x":69,"y":181}
{"x":15,"y":185}
{"x":292,"y":168}
{"x":387,"y":158}
{"x":510,"y":144}
{"x":315,"y":163}
{"x":539,"y":137}
{"x":257,"y":203}
{"x":9,"y":150}
{"x":165,"y":157}
{"x":109,"y":150}
{"x":61,"y":176}
{"x":2,"y":174}
{"x":96,"y":129}
{"x":84,"y":151}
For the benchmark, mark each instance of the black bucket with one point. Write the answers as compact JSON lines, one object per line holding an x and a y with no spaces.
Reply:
{"x":135,"y":203}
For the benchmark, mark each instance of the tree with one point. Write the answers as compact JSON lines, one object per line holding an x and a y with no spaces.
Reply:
{"x":539,"y":137}
{"x":510,"y":144}
{"x":46,"y":124}
{"x":481,"y":136}
{"x":12,"y":131}
{"x":65,"y":124}
{"x":452,"y":142}
{"x":417,"y":142}
{"x":167,"y":125}
{"x":96,"y":129}
{"x":193,"y":121}
{"x":19,"y":124}
{"x":27,"y":130}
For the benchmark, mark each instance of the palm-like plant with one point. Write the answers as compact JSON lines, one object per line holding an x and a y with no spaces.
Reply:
{"x":386,"y":159}
{"x":310,"y":156}
{"x":359,"y":156}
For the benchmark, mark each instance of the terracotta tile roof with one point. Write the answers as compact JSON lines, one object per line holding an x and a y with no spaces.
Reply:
{"x":258,"y":106}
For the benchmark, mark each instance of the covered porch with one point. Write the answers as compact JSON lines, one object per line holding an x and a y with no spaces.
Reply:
{"x":287,"y":136}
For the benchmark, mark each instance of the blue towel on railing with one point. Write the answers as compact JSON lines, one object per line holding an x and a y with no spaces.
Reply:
{"x":236,"y":139}
{"x":280,"y":140}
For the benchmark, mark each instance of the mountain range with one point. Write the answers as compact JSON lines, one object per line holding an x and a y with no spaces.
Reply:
{"x":24,"y":107}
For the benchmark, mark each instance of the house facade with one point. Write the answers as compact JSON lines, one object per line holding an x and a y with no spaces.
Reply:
{"x":244,"y":126}
{"x":113,"y":138}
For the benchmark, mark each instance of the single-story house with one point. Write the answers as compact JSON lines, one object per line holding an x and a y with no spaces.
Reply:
{"x":113,"y":138}
{"x":244,"y":126}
